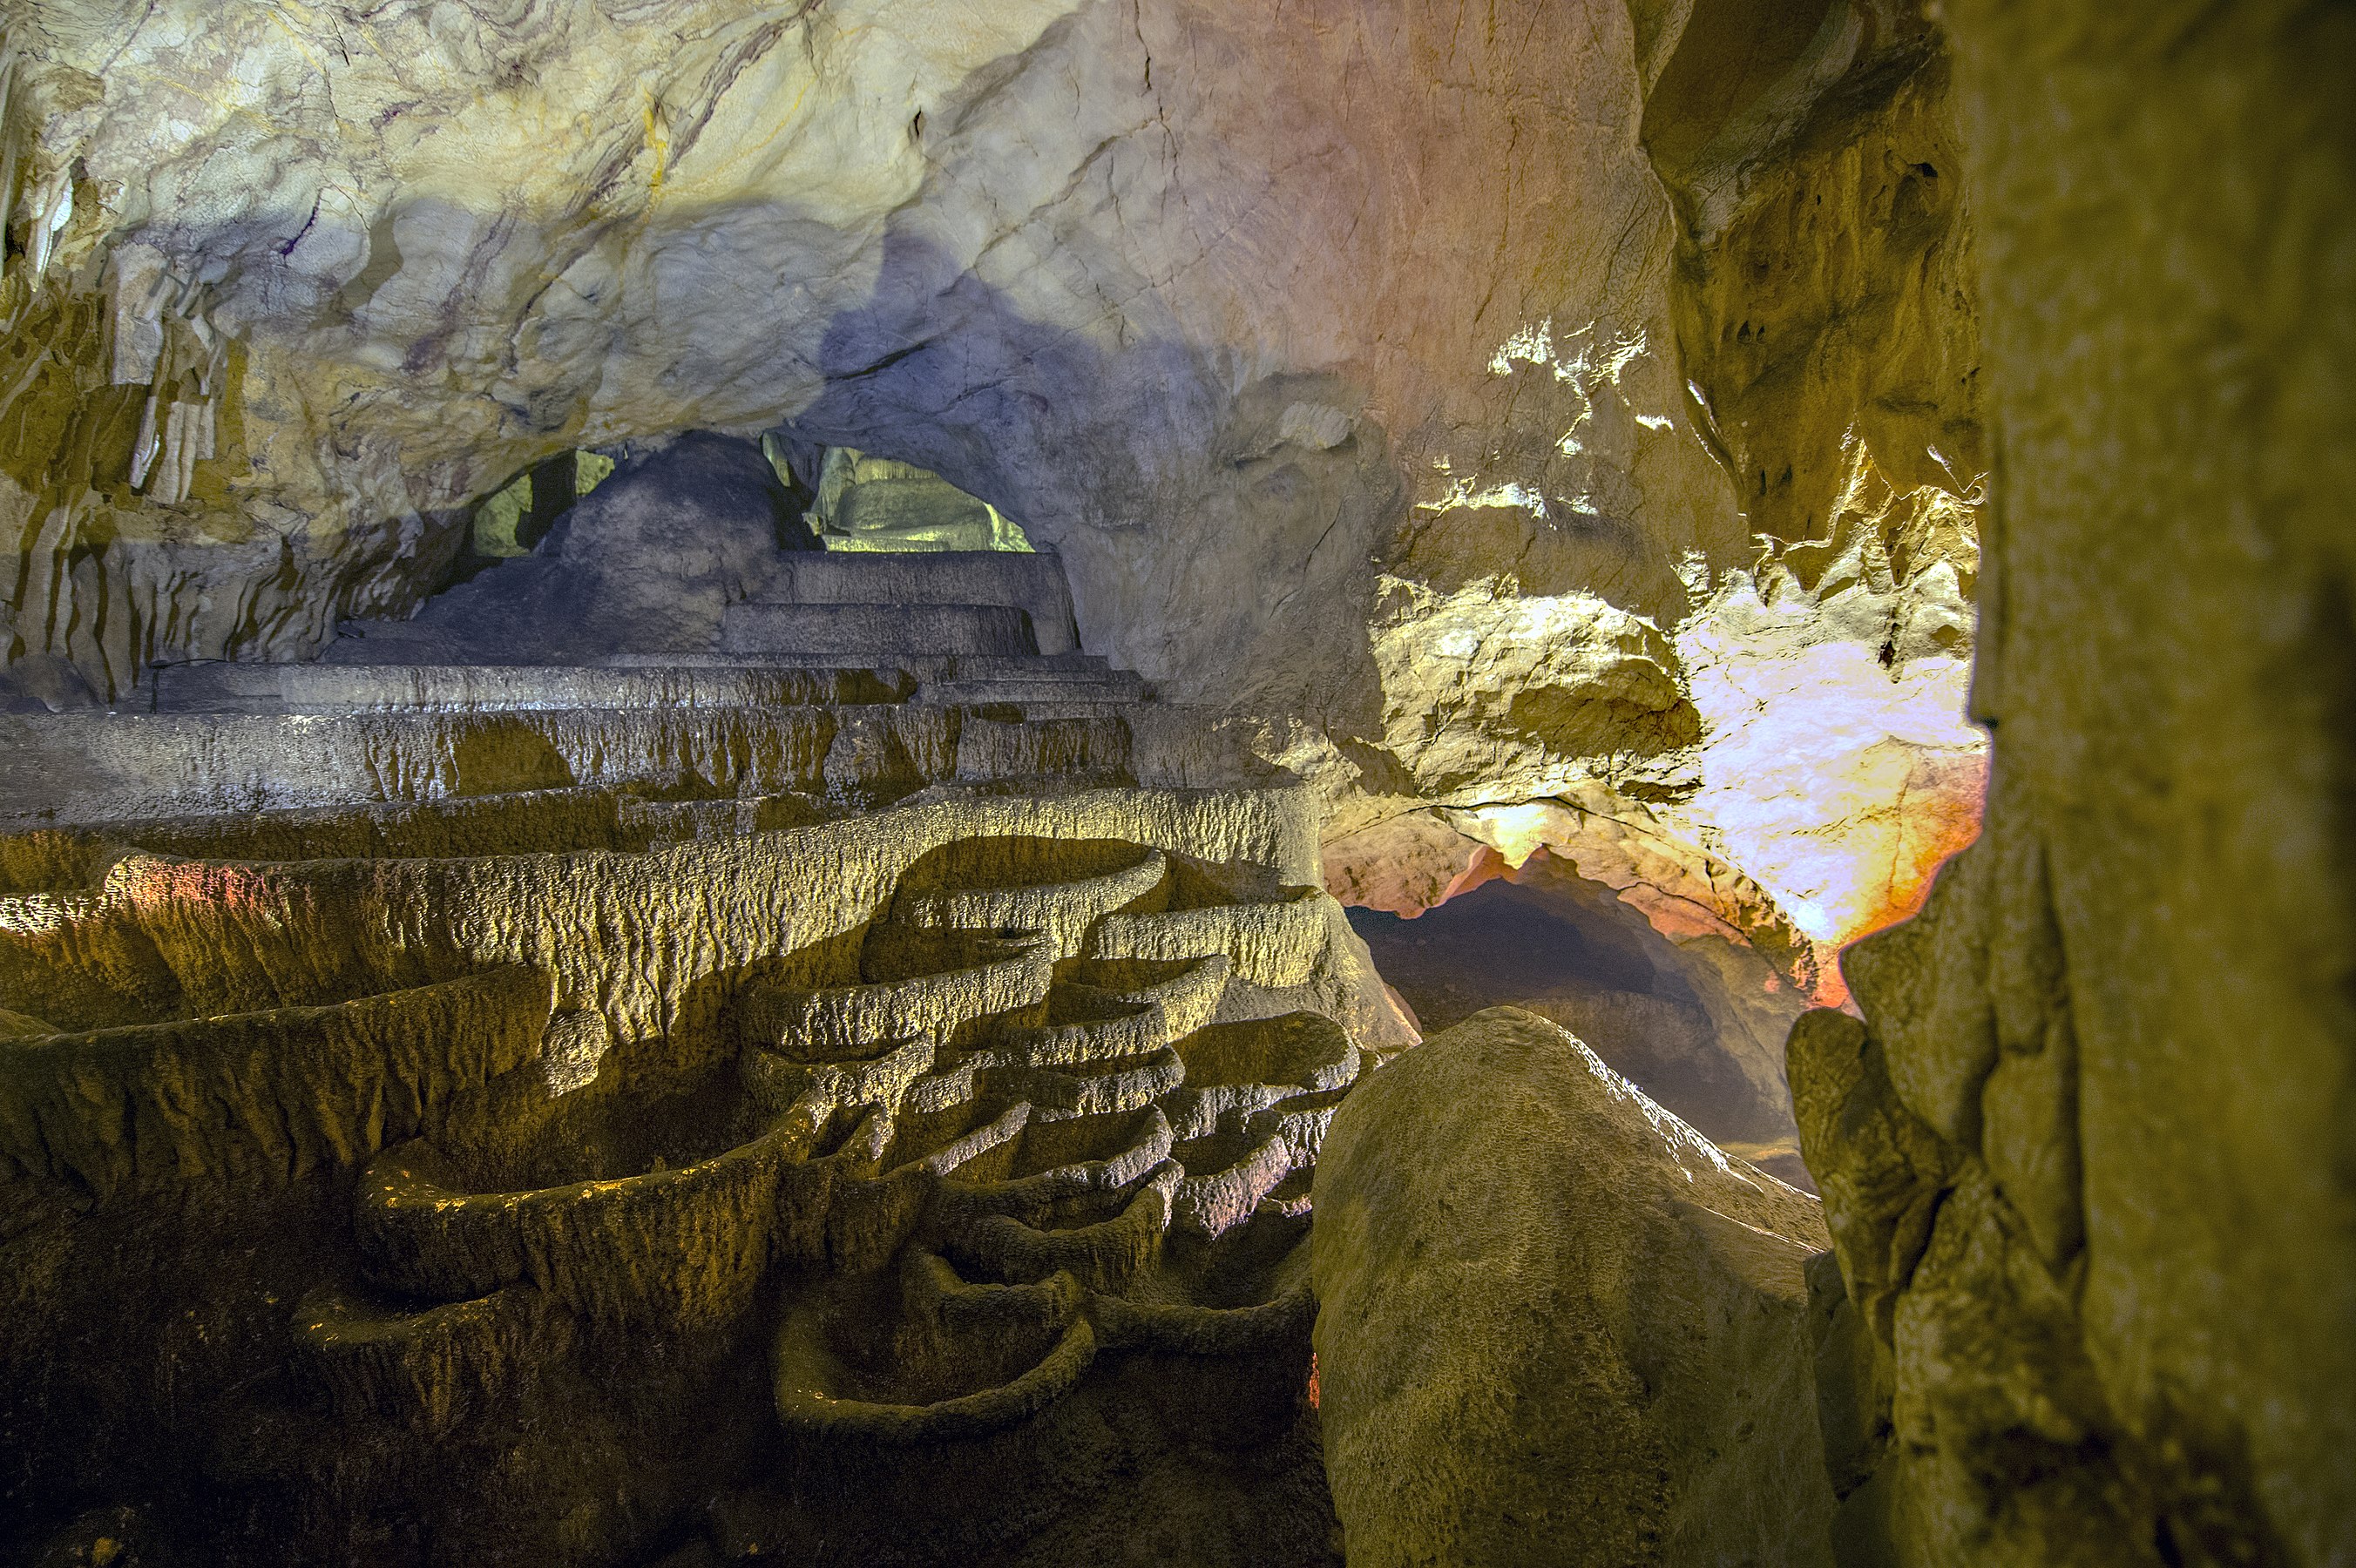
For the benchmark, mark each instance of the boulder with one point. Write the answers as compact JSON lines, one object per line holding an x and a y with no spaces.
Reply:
{"x":1558,"y":1326}
{"x":44,"y":683}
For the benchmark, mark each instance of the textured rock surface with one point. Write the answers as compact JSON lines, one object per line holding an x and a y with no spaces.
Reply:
{"x":1556,"y":1325}
{"x":1499,"y":392}
{"x":1618,"y":924}
{"x":2088,"y":1161}
{"x":770,"y":1151}
{"x":1159,"y":330}
{"x":1822,"y":292}
{"x":861,"y":503}
{"x":1823,"y":324}
{"x":262,"y":1099}
{"x":646,"y":562}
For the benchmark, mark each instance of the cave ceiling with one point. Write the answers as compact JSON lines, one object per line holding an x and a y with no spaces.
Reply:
{"x":1500,"y":413}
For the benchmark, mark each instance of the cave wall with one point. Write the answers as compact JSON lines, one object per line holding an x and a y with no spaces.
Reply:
{"x":1822,"y":291}
{"x":1189,"y":287}
{"x":2090,"y":1162}
{"x":1405,"y":373}
{"x":1698,"y":1023}
{"x":1819,"y":289}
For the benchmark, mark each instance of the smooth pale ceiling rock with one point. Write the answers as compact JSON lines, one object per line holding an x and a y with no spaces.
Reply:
{"x":1175,"y":317}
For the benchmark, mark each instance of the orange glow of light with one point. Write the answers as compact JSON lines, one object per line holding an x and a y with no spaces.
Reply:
{"x":1484,"y":865}
{"x":1936,"y":825}
{"x":1858,"y":856}
{"x":150,"y":881}
{"x":1313,"y":1394}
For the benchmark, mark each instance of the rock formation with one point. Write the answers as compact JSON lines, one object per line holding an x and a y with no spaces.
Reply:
{"x":1566,"y":1329}
{"x":748,"y":1104}
{"x":676,"y":677}
{"x":1573,"y":403}
{"x":647,"y":563}
{"x":2086,"y":1160}
{"x":1820,"y":288}
{"x":864,"y":503}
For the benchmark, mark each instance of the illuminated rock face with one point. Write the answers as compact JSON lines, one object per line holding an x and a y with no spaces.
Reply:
{"x":1548,"y":425}
{"x":1795,"y":759}
{"x":1839,"y":772}
{"x":1444,"y":381}
{"x":1157,"y":315}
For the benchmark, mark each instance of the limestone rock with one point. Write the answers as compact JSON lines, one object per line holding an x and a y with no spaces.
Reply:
{"x":980,"y":1109}
{"x":1403,"y":865}
{"x":1698,"y":1025}
{"x":45,"y":683}
{"x":1823,"y":290}
{"x":1556,"y":1325}
{"x":2118,"y":1041}
{"x":874,"y":504}
{"x":1462,"y":475}
{"x":1682,"y":972}
{"x":1070,"y":259}
{"x":257,"y":1098}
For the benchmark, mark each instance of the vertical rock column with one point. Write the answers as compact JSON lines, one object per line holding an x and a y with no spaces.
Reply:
{"x":2090,"y":1162}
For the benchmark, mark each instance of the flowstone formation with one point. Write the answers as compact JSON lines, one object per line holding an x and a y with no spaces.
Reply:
{"x":766,"y":1105}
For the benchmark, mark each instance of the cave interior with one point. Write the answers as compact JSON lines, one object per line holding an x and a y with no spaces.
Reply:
{"x":1043,"y":782}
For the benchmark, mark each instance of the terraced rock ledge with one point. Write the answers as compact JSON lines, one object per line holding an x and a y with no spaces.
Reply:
{"x":678,"y":1113}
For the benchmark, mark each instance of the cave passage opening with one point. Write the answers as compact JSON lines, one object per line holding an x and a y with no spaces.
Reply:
{"x":849,"y":499}
{"x":1695,"y":1023}
{"x":864,"y":502}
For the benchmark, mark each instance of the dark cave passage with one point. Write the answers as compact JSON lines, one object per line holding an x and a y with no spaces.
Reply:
{"x":1697,"y":1026}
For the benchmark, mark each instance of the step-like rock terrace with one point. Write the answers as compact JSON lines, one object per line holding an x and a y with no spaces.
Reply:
{"x":683,"y":1014}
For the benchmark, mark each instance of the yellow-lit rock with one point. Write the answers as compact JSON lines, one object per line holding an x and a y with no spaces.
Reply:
{"x":1566,"y":1331}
